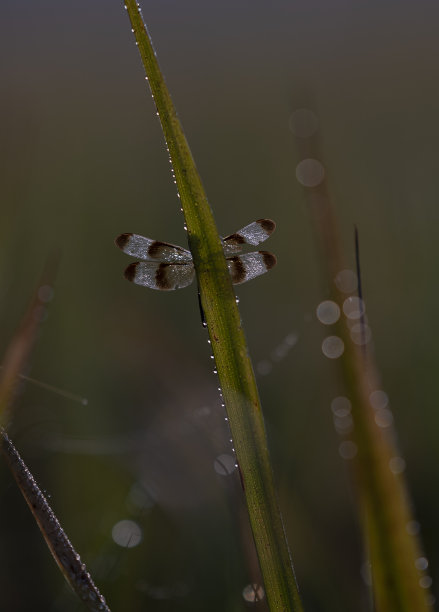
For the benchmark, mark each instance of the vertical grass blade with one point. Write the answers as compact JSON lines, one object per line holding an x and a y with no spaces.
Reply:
{"x":384,"y":504}
{"x":228,"y":343}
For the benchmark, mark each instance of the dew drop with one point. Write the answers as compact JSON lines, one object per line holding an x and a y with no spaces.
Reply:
{"x":253,"y":592}
{"x":224,"y":465}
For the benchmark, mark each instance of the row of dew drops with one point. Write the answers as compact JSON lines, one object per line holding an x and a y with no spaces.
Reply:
{"x":127,"y":533}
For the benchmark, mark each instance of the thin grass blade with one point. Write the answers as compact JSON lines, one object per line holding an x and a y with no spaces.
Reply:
{"x":228,"y":342}
{"x":384,"y":503}
{"x":67,"y":559}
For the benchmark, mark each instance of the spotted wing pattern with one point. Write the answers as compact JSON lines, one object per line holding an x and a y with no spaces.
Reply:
{"x":167,"y":266}
{"x":243,"y":268}
{"x":152,"y":250}
{"x":252,"y":234}
{"x":163,"y":276}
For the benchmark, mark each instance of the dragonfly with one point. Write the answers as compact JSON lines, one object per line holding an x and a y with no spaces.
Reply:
{"x":167,"y":266}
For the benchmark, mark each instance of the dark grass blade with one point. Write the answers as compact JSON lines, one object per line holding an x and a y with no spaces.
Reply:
{"x":17,"y":356}
{"x":66,"y":557}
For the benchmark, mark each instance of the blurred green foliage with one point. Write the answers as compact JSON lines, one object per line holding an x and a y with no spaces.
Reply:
{"x":75,"y":173}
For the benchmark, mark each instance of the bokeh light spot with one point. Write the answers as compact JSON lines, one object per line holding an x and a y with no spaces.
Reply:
{"x":310,"y":172}
{"x":361,"y":334}
{"x":383,"y":417}
{"x":378,"y":399}
{"x":421,"y":563}
{"x":127,"y":534}
{"x":341,"y":406}
{"x":425,"y":582}
{"x":332,"y":347}
{"x":346,"y":281}
{"x":264,"y":367}
{"x":328,"y":312}
{"x":397,"y":465}
{"x":347,"y":449}
{"x":413,"y":527}
{"x":354,"y":307}
{"x":303,"y":122}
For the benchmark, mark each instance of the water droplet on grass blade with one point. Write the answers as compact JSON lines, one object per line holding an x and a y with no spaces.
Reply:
{"x":224,"y":465}
{"x":253,"y":592}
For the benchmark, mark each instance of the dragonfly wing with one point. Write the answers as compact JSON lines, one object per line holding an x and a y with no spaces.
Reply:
{"x":253,"y":234}
{"x":162,"y":276}
{"x":152,"y":250}
{"x":243,"y":268}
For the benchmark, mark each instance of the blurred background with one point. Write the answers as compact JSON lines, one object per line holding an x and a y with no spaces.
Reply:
{"x":142,"y":477}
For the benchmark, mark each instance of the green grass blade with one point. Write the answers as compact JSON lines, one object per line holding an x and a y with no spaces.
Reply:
{"x":228,"y":343}
{"x":384,"y":504}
